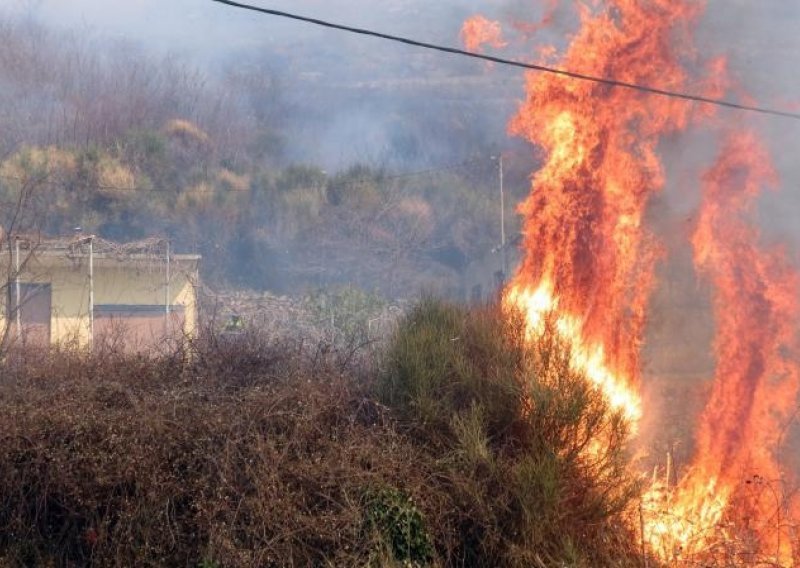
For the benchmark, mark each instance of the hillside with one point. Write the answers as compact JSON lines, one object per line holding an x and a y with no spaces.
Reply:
{"x":126,"y":144}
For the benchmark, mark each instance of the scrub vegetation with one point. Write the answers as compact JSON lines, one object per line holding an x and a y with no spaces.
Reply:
{"x":459,"y":443}
{"x":127,"y":145}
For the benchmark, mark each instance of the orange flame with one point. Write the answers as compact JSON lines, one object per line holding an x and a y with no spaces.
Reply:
{"x":757,"y":382}
{"x":586,"y":248}
{"x":536,"y":306}
{"x":589,"y":260}
{"x":479,"y":31}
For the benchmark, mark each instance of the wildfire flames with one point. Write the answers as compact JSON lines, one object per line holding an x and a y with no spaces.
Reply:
{"x":589,"y":259}
{"x":478,"y":31}
{"x":756,"y":383}
{"x":590,"y":359}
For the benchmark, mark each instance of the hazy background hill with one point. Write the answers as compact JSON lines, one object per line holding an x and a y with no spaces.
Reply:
{"x":282,"y":152}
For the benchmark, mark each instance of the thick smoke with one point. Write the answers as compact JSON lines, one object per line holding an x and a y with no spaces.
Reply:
{"x":761,"y":41}
{"x":398,"y":102}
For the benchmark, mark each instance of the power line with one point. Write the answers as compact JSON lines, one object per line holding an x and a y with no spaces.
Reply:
{"x":514,"y":63}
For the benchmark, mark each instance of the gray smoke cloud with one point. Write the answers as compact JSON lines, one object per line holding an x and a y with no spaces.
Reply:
{"x":761,"y":42}
{"x":359,"y":99}
{"x":349,"y":98}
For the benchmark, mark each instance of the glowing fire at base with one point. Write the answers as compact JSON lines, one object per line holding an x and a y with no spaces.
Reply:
{"x":757,"y":378}
{"x":536,"y":305}
{"x":679,"y":523}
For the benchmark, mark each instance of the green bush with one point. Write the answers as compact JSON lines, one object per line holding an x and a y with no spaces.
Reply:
{"x":445,"y":360}
{"x":535,"y":459}
{"x":399,"y":526}
{"x":358,"y":186}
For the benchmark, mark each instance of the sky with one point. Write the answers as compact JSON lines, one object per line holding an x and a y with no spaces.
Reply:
{"x":201,"y":25}
{"x":754,"y":32}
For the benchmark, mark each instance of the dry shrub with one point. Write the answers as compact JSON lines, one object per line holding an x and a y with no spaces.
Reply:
{"x":239,"y":451}
{"x":251,"y":454}
{"x":114,"y":175}
{"x":34,"y":161}
{"x":198,"y":197}
{"x":186,"y":131}
{"x":231,"y":181}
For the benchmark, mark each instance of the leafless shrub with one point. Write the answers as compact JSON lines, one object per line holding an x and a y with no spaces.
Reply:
{"x":242,"y":451}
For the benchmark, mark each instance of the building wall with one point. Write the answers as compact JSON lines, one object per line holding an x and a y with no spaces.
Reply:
{"x":121,"y":284}
{"x":117,"y":282}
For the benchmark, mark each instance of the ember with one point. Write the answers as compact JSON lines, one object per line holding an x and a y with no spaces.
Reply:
{"x":478,"y":31}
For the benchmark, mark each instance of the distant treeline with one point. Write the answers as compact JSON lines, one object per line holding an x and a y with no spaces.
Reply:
{"x":125,"y":144}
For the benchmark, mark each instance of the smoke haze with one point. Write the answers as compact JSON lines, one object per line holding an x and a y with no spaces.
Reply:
{"x":338,"y":99}
{"x":350,"y":87}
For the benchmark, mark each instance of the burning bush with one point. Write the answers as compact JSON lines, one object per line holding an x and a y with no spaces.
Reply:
{"x":533,"y":453}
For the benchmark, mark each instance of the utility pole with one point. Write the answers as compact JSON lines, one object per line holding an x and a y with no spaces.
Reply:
{"x":91,"y":293}
{"x":503,"y":221}
{"x":504,"y":260}
{"x":167,"y":276}
{"x":17,"y":289}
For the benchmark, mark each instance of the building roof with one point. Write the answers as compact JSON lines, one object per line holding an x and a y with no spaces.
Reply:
{"x":78,"y":245}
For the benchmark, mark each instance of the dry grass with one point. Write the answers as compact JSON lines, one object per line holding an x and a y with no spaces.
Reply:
{"x":252,"y":453}
{"x":232,"y":181}
{"x":186,"y":131}
{"x":113,"y":175}
{"x":246,"y":457}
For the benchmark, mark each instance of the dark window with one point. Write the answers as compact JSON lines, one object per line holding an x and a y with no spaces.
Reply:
{"x":34,"y":311}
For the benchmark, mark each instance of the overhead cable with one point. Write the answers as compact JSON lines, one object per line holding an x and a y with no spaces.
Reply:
{"x":513,"y":63}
